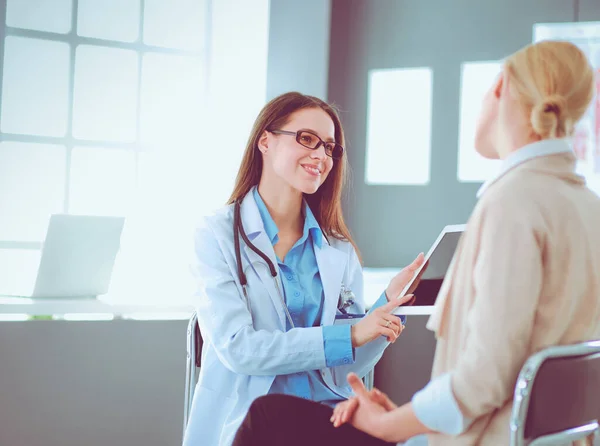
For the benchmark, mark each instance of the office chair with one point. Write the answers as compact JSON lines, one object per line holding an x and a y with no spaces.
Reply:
{"x":194,"y":353}
{"x":557,"y":397}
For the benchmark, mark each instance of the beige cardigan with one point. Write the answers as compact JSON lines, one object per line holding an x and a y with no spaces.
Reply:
{"x":526,"y":275}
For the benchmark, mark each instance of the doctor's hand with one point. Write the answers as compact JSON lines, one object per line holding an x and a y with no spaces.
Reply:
{"x":379,"y":322}
{"x":400,"y":280}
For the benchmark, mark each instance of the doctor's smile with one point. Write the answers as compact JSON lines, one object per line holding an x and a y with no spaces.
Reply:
{"x":313,"y":169}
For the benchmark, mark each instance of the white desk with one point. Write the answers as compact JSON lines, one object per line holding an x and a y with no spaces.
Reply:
{"x":92,"y":307}
{"x":375,"y":282}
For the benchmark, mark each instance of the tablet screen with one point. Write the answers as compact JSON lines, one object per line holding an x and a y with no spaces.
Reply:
{"x":433,"y":272}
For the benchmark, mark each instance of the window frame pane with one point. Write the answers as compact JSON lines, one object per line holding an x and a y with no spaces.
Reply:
{"x":391,"y":120}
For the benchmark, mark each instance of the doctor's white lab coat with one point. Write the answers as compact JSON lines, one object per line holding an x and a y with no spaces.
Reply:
{"x":244,"y":350}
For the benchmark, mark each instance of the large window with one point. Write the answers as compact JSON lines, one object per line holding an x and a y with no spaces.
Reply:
{"x":102,"y":102}
{"x":399,"y":126}
{"x":130,"y":108}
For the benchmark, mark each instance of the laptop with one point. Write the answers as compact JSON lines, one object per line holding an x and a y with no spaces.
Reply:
{"x":76,"y":259}
{"x":428,"y":280}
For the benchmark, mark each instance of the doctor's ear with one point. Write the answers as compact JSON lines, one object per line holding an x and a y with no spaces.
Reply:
{"x":263,"y":142}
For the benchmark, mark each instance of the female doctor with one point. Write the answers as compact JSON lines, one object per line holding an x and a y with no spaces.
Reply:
{"x":274,"y":268}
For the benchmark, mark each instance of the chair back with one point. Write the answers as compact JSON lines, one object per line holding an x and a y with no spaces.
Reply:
{"x":194,"y":354}
{"x":557,"y":396}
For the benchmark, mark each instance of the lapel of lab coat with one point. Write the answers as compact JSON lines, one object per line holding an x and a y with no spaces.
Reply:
{"x":255,"y":230}
{"x":331,"y":262}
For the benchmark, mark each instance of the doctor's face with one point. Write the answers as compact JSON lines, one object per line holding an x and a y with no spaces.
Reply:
{"x":286,"y":157}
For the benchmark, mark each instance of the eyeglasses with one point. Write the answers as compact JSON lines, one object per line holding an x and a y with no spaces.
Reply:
{"x":313,"y":142}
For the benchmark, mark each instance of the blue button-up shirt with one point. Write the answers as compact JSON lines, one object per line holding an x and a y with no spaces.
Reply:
{"x":304,"y":297}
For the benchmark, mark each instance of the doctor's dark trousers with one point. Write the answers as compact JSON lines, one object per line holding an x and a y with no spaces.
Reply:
{"x":278,"y":420}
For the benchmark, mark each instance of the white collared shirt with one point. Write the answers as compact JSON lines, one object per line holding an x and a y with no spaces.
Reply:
{"x":539,"y":148}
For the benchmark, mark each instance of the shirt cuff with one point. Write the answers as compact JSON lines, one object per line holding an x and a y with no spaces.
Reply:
{"x":382,"y":301}
{"x":436,"y":407}
{"x":337,"y":341}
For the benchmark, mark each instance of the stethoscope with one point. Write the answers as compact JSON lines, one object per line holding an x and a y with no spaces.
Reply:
{"x":346,"y":298}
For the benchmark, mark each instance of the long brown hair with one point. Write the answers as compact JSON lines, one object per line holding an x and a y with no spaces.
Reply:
{"x":326,"y":203}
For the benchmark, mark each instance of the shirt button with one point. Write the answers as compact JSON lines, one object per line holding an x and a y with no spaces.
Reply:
{"x":290,"y":277}
{"x":346,"y":361}
{"x":297,"y":293}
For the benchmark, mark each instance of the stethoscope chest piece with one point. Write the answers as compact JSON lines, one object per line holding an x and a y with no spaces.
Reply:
{"x":347,"y":298}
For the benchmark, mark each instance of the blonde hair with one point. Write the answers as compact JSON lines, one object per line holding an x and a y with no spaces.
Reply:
{"x":555,"y":82}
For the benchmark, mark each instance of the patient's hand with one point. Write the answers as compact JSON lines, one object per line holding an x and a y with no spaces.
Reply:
{"x":367,"y":415}
{"x":382,"y":399}
{"x":344,"y":412}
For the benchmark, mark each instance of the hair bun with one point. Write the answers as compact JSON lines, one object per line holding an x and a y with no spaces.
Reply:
{"x":555,"y":104}
{"x":548,"y":117}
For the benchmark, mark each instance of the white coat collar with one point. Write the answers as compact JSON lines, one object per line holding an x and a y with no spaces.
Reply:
{"x":525,"y":153}
{"x":331,"y":261}
{"x":252,"y":220}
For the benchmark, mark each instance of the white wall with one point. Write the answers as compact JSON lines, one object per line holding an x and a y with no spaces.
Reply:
{"x":122,"y":382}
{"x":299,"y":47}
{"x":92,"y":383}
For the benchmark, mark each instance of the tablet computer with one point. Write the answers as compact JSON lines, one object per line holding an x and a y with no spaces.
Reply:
{"x":428,"y":280}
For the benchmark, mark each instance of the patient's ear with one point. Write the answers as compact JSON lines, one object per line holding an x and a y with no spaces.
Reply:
{"x":499,"y":86}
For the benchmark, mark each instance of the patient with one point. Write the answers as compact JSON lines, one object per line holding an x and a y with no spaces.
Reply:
{"x":525,"y":276}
